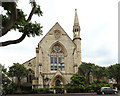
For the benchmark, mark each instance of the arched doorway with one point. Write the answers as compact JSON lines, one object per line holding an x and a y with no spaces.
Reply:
{"x":57,"y":83}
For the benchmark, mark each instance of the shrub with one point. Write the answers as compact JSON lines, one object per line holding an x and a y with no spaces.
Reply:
{"x":26,"y":86}
{"x":35,"y":90}
{"x":99,"y":81}
{"x":96,"y":85}
{"x":10,"y":89}
{"x":57,"y":87}
{"x":41,"y":90}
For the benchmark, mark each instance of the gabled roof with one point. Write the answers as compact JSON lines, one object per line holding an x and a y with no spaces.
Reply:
{"x":52,"y":28}
{"x":29,"y":60}
{"x":58,"y":73}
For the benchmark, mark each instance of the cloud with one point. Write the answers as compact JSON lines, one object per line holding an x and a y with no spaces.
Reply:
{"x":98,"y":22}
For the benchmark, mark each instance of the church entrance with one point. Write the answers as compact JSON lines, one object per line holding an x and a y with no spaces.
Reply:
{"x":57,"y":83}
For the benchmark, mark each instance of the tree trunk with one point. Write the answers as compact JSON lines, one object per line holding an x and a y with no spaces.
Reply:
{"x":19,"y":84}
{"x":117,"y":80}
{"x":88,"y":78}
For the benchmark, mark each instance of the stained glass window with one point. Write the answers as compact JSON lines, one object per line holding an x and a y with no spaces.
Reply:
{"x":57,"y":58}
{"x":57,"y":48}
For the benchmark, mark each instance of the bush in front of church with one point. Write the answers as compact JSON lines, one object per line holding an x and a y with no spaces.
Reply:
{"x":76,"y":85}
{"x":41,"y":90}
{"x":26,"y":86}
{"x":97,"y":84}
{"x":11,"y":89}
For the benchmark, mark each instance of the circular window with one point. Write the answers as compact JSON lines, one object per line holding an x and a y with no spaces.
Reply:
{"x":57,"y":34}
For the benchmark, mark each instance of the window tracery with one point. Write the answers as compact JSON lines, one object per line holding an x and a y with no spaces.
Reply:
{"x":57,"y":58}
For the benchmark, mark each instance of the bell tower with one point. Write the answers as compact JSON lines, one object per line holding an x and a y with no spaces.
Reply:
{"x":76,"y":27}
{"x":77,"y":41}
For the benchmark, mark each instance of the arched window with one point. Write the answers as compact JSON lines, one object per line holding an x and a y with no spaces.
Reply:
{"x":30,"y":76}
{"x":57,"y":58}
{"x":76,"y":32}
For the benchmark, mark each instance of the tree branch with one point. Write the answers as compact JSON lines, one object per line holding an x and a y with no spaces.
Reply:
{"x":12,"y":20}
{"x":32,"y":12}
{"x":13,"y":41}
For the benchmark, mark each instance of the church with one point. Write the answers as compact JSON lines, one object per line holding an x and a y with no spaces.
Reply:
{"x":57,"y":57}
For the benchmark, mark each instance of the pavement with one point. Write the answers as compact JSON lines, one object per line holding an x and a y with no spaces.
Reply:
{"x":68,"y":94}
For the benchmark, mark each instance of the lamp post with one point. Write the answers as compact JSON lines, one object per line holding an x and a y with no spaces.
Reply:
{"x":5,"y":83}
{"x":61,"y":84}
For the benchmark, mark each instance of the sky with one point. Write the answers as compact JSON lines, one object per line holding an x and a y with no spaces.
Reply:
{"x":99,"y":30}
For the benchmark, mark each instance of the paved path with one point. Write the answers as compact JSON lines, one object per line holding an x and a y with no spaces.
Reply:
{"x":77,"y":94}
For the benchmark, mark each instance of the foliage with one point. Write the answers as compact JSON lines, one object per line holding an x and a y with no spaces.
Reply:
{"x":40,"y":90}
{"x":57,"y":87}
{"x":68,"y":86}
{"x":14,"y":18}
{"x":26,"y":86}
{"x":77,"y":84}
{"x":78,"y":81}
{"x":96,"y":85}
{"x":99,"y":72}
{"x":114,"y":72}
{"x":85,"y":69}
{"x":10,"y":89}
{"x":5,"y":79}
{"x":19,"y":71}
{"x":99,"y":81}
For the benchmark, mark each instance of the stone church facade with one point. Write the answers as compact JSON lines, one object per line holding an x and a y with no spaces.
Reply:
{"x":57,"y":57}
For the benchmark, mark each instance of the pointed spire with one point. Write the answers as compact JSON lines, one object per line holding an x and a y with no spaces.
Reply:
{"x":76,"y":21}
{"x":76,"y":27}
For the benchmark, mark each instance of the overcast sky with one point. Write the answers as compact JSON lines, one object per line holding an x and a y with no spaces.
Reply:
{"x":99,"y":30}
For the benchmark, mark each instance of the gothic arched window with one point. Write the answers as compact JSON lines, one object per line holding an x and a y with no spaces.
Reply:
{"x":57,"y":58}
{"x":30,"y":76}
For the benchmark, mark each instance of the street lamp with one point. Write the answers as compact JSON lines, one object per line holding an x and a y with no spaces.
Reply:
{"x":61,"y":83}
{"x":5,"y":86}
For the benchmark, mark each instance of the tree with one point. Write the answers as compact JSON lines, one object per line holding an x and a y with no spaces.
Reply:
{"x":19,"y":71}
{"x":86,"y":69}
{"x":15,"y":19}
{"x":114,"y":72}
{"x":78,"y":81}
{"x":99,"y":72}
{"x":4,"y":79}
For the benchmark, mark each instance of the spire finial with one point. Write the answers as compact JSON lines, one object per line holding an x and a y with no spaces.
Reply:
{"x":76,"y":26}
{"x":76,"y":21}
